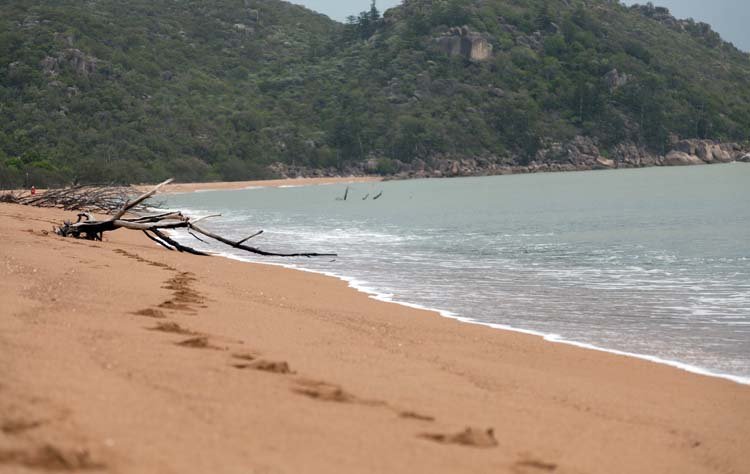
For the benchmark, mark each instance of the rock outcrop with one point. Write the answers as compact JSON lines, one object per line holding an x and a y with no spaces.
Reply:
{"x":466,"y":43}
{"x":680,"y":158}
{"x":708,"y":151}
{"x":616,"y":79}
{"x":630,"y":155}
{"x":579,"y":154}
{"x":82,"y":63}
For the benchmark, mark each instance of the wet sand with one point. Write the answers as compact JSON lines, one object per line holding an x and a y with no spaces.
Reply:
{"x":119,"y":356}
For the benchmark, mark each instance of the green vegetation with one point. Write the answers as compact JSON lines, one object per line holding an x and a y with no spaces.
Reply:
{"x":138,"y":90}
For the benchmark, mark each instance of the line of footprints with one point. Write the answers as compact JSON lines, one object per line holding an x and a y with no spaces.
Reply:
{"x":187,"y":300}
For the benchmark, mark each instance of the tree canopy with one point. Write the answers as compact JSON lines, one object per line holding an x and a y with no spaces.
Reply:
{"x":139,"y":90}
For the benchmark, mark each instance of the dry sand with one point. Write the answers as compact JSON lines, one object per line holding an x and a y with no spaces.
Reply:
{"x":119,"y":356}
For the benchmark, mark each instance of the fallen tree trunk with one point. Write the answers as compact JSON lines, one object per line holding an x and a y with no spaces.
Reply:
{"x":86,"y":227}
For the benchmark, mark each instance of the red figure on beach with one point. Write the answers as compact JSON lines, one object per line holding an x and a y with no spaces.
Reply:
{"x":33,"y":190}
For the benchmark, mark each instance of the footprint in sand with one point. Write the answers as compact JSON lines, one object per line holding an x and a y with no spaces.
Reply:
{"x":245,"y":356}
{"x":176,"y":306}
{"x":275,"y":367}
{"x":531,"y":466}
{"x":151,"y":313}
{"x":19,"y":426}
{"x":474,"y":437}
{"x":50,"y":458}
{"x":183,"y":296}
{"x":416,"y":416}
{"x":199,"y":342}
{"x":323,"y":391}
{"x":173,"y":328}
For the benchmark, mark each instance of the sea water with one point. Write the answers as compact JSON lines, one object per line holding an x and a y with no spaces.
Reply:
{"x":650,"y":262}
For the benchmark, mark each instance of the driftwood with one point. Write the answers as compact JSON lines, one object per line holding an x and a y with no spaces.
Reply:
{"x":86,"y":227}
{"x":346,"y":195}
{"x":102,"y":199}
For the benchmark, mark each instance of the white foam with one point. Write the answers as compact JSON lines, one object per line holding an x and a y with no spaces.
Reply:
{"x":554,"y":338}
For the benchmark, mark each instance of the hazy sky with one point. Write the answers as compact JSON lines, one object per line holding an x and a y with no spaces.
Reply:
{"x":731,"y":18}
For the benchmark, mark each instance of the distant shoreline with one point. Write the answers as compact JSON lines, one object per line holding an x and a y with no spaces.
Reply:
{"x":271,"y":183}
{"x":305,"y":181}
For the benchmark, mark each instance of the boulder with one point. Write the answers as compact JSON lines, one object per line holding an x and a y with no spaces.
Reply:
{"x":615,"y":79}
{"x":680,"y":158}
{"x":466,"y":43}
{"x":50,"y":66}
{"x":688,"y":147}
{"x":720,"y":155}
{"x":629,"y":155}
{"x":581,"y":152}
{"x":82,"y":63}
{"x":707,"y":151}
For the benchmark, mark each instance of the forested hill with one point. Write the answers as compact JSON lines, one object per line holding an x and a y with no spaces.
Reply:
{"x":138,"y":90}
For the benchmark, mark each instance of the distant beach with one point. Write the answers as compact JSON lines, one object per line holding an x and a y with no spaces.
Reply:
{"x":274,"y":183}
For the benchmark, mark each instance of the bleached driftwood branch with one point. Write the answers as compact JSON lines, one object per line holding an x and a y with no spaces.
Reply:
{"x":102,"y":199}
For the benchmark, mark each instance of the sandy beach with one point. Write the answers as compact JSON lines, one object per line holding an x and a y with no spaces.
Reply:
{"x":122,"y":357}
{"x":272,"y":183}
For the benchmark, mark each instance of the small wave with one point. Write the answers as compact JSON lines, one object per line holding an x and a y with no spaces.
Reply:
{"x":550,"y":337}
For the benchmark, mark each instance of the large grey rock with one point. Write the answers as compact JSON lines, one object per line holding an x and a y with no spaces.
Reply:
{"x":720,"y":155}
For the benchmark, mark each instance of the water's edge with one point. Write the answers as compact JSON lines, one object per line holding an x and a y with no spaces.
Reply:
{"x":354,"y":284}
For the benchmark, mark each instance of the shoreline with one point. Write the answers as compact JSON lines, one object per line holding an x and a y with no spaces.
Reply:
{"x":179,"y":188}
{"x":260,"y":368}
{"x":548,"y":337}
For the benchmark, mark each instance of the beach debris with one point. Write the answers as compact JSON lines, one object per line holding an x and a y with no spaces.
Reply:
{"x":101,"y":199}
{"x":346,"y":195}
{"x":154,"y":227}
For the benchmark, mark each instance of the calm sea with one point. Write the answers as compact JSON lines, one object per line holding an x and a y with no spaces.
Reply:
{"x":652,"y":262}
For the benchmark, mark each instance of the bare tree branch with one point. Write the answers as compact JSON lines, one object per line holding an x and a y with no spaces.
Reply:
{"x":153,"y":226}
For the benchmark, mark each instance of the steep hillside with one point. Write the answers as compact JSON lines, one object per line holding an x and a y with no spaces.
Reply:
{"x":230,"y":89}
{"x":136,"y":90}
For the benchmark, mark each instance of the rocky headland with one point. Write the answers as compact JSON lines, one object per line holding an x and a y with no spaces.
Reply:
{"x":579,"y":154}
